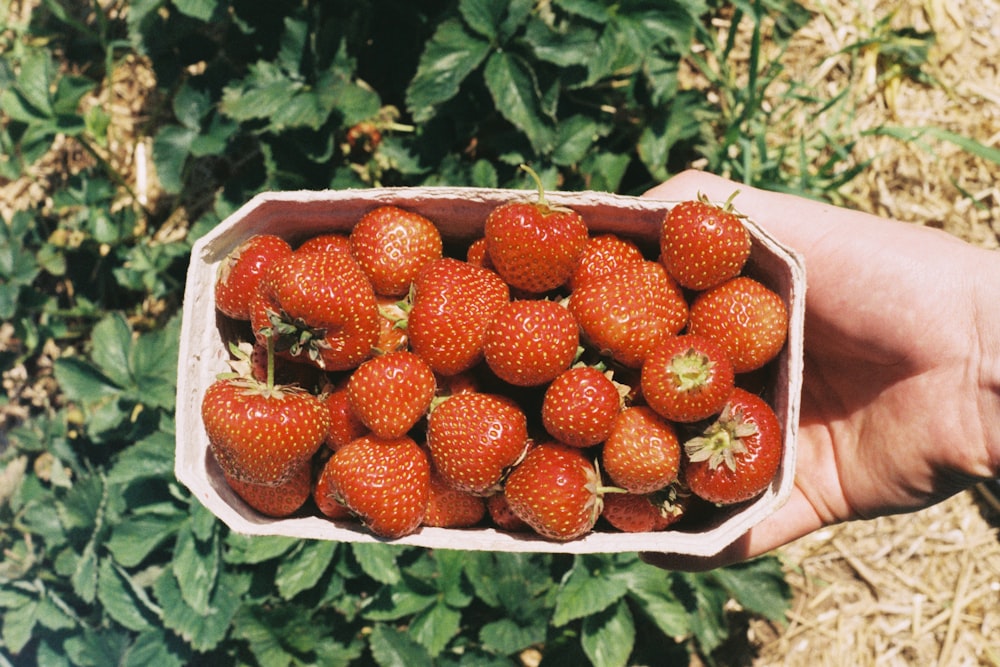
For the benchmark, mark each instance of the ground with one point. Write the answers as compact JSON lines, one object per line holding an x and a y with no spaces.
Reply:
{"x":920,"y":589}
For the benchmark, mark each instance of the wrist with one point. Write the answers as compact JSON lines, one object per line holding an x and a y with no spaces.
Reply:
{"x":988,"y":339}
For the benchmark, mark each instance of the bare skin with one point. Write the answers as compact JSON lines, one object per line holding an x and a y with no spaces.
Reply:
{"x":901,"y":394}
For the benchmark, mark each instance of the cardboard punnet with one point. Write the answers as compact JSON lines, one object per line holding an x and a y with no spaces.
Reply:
{"x":460,"y":214}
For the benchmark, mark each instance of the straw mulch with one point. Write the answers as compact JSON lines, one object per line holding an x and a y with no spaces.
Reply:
{"x":920,"y":589}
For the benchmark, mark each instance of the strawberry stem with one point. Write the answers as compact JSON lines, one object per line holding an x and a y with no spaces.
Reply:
{"x":270,"y":362}
{"x":538,"y":183}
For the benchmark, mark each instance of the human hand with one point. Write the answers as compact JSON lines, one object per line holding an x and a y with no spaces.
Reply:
{"x":901,"y":390}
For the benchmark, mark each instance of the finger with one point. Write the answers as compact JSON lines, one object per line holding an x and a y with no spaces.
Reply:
{"x":793,"y":520}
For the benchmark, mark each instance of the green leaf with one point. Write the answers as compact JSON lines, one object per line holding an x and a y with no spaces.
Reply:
{"x":378,"y":561}
{"x":156,"y":647}
{"x":575,"y":137}
{"x":650,"y":589}
{"x":392,"y":648}
{"x":122,"y":599}
{"x":565,"y":48}
{"x":81,"y":382}
{"x":153,"y":365}
{"x":203,"y":631}
{"x":515,"y":93}
{"x":705,"y":602}
{"x":302,"y":569}
{"x":608,"y":637}
{"x":18,"y":623}
{"x":591,"y":586}
{"x":111,"y":342}
{"x":203,"y":10}
{"x":252,"y":550}
{"x":406,"y":598}
{"x":151,"y":457}
{"x":483,"y":16}
{"x":434,"y":627}
{"x":171,"y":148}
{"x":448,"y":58}
{"x":509,"y":636}
{"x":133,"y":539}
{"x":589,"y":9}
{"x":758,"y":585}
{"x":195,"y":567}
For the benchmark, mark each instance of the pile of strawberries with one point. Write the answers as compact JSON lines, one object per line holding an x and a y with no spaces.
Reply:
{"x":544,"y":377}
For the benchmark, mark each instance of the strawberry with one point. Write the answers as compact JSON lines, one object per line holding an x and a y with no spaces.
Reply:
{"x":557,"y":491}
{"x":453,"y":303}
{"x":345,"y":425}
{"x":391,"y":392}
{"x":322,"y":308}
{"x":476,"y":254}
{"x":333,"y":242}
{"x":448,"y":507}
{"x":738,"y":455}
{"x":474,"y":438}
{"x":626,"y":313}
{"x":276,"y":500}
{"x":687,"y":378}
{"x":639,"y":513}
{"x":260,"y":432}
{"x":602,"y":255}
{"x":323,"y":495}
{"x":391,"y":245}
{"x":580,"y":407}
{"x":240,"y":273}
{"x":642,"y":454}
{"x":747,"y":318}
{"x":384,"y":482}
{"x":702,"y":244}
{"x":534,"y":246}
{"x":529,"y":343}
{"x":501,"y":514}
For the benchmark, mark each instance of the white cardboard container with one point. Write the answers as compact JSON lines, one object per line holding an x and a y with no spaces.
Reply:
{"x":460,"y":214}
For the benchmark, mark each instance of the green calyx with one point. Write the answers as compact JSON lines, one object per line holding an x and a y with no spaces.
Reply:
{"x":691,"y":370}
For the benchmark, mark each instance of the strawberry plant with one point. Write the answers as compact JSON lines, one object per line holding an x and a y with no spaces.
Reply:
{"x":106,"y":558}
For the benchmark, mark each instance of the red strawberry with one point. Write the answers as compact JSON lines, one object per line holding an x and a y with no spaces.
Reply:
{"x":529,"y":343}
{"x":391,"y":245}
{"x":322,"y":308}
{"x":453,"y":303}
{"x":738,"y":455}
{"x":534,"y":246}
{"x":747,"y":318}
{"x":642,"y":454}
{"x":602,"y":255}
{"x":501,"y":514}
{"x":391,"y":392}
{"x":580,"y":407}
{"x":345,"y":425}
{"x":240,"y":273}
{"x":474,"y":438}
{"x":329,"y":243}
{"x":557,"y":491}
{"x":276,"y":500}
{"x":259,"y":432}
{"x":702,"y":244}
{"x":477,"y":256}
{"x":637,"y":513}
{"x":385,"y":482}
{"x":687,"y":378}
{"x":627,"y":312}
{"x":448,"y":507}
{"x":323,"y":495}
